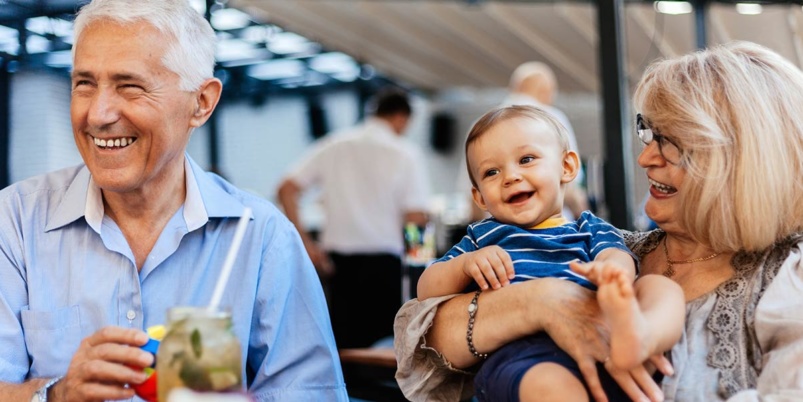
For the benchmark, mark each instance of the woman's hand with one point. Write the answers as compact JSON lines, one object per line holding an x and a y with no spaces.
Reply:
{"x":573,"y":320}
{"x":638,"y":383}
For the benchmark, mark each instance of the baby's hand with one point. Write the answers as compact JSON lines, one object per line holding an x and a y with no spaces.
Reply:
{"x":489,"y":265}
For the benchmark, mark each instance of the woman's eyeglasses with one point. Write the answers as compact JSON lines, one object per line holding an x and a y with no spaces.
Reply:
{"x":669,"y":150}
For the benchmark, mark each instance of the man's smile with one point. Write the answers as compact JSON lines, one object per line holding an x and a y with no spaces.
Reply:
{"x":110,"y":143}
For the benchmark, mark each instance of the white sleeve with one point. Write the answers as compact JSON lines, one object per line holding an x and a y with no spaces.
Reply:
{"x":422,"y":373}
{"x":307,"y":169}
{"x":779,"y":329}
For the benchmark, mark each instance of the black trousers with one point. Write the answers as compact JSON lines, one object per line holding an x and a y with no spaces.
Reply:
{"x":364,"y":297}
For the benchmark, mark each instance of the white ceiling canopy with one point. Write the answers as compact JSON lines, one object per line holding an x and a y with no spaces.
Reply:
{"x":438,"y":44}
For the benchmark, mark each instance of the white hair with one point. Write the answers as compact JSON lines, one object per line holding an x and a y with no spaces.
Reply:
{"x":191,"y":49}
{"x":532,"y":69}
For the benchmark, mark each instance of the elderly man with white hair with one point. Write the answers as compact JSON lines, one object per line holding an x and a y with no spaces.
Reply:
{"x":93,"y":254}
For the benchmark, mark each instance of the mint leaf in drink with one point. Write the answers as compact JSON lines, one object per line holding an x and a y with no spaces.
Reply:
{"x":195,"y":341}
{"x":194,"y":376}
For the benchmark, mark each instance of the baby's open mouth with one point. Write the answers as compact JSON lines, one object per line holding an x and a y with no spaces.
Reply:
{"x":519,"y":197}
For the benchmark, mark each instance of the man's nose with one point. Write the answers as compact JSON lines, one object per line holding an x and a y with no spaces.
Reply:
{"x":104,"y":108}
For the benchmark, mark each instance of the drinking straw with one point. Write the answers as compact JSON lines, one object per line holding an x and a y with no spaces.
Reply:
{"x":228,"y":264}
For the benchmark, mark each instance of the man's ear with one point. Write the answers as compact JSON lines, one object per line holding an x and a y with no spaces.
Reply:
{"x":571,"y":166}
{"x":206,"y":100}
{"x":475,"y":194}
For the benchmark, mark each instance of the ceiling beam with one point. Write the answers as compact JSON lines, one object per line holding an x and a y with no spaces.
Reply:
{"x":455,"y":21}
{"x":647,"y":24}
{"x":580,"y":20}
{"x":326,"y":30}
{"x":793,"y":22}
{"x":718,"y":26}
{"x":419,"y":33}
{"x":508,"y":18}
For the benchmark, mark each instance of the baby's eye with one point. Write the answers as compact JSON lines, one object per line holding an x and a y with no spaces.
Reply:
{"x":526,"y":159}
{"x":491,"y":172}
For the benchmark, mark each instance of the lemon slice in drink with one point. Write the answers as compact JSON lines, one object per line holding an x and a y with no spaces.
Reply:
{"x":223,"y":380}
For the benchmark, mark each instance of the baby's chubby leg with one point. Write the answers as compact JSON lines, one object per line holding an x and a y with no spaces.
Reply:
{"x":645,"y":317}
{"x":630,"y":334}
{"x":545,"y":382}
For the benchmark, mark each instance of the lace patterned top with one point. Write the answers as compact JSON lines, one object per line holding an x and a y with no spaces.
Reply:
{"x":742,"y":341}
{"x":730,"y":345}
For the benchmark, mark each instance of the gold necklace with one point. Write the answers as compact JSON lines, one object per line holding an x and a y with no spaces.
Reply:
{"x":670,"y":270}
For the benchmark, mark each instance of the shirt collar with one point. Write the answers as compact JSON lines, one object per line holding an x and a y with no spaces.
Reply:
{"x":205,"y":199}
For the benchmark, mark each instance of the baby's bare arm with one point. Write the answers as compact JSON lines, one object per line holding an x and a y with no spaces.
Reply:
{"x":490,"y":267}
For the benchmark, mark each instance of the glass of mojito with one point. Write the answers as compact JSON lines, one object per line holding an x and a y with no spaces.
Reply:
{"x":199,"y":351}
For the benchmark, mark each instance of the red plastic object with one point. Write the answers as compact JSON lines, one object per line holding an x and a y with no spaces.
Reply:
{"x":147,"y":390}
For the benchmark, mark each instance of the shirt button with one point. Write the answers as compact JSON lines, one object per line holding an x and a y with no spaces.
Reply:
{"x":131,"y":314}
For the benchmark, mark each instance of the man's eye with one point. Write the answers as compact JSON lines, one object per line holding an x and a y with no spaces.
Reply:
{"x":131,"y":87}
{"x":526,"y":159}
{"x":80,"y":83}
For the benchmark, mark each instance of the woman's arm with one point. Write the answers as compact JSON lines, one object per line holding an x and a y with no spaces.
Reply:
{"x":431,"y":336}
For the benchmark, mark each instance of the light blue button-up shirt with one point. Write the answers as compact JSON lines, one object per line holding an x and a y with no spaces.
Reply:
{"x":66,"y":271}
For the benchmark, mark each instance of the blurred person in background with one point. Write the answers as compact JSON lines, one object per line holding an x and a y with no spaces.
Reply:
{"x":373,"y":182}
{"x":533,"y":83}
{"x":91,"y":255}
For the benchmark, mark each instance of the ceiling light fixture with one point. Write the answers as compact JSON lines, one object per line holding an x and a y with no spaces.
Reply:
{"x":748,"y":8}
{"x":673,"y":7}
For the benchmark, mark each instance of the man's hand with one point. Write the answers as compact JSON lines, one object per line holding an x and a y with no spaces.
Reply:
{"x":100,"y":369}
{"x":489,"y":266}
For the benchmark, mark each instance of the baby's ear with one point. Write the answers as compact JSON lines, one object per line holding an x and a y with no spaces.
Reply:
{"x":478,"y":199}
{"x":571,"y":166}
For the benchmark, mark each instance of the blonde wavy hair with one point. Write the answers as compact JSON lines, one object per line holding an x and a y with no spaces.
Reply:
{"x":737,"y":112}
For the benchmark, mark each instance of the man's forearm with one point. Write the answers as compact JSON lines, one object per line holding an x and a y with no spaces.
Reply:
{"x":21,"y":392}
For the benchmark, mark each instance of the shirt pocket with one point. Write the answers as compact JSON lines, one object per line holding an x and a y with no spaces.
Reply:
{"x":52,"y":337}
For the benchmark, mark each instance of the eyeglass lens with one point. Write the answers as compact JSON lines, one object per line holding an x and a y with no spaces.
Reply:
{"x":668,"y":150}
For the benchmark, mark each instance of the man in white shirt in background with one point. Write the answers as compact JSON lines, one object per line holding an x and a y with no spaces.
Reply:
{"x":373,"y":182}
{"x":533,"y":83}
